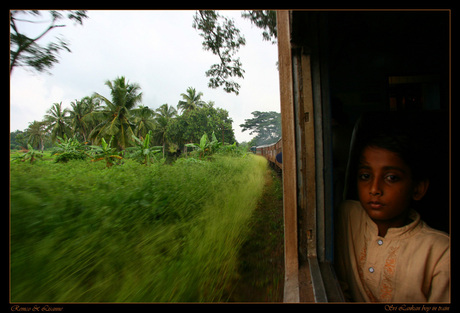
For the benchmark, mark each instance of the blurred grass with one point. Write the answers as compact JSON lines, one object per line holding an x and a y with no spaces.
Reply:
{"x":261,"y":257}
{"x":131,"y":233}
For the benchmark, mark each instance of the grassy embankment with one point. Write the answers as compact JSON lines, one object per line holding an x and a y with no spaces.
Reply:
{"x":167,"y":233}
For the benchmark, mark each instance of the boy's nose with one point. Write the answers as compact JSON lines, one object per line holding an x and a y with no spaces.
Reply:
{"x":375,"y":188}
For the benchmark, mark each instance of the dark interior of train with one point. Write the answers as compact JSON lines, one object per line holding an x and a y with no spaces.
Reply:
{"x":357,"y":72}
{"x":394,"y":62}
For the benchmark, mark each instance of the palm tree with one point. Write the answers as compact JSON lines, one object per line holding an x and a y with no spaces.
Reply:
{"x":191,"y":100}
{"x":36,"y":132}
{"x":81,"y":118}
{"x":143,"y":119}
{"x":56,"y":120}
{"x":163,"y":116}
{"x":116,"y":116}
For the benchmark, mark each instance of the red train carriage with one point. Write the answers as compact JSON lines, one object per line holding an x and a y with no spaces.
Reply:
{"x":271,"y":152}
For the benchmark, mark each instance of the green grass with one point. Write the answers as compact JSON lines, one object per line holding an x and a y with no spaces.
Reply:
{"x":167,"y":233}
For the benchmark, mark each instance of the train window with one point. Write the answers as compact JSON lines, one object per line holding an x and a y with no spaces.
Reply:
{"x":336,"y":68}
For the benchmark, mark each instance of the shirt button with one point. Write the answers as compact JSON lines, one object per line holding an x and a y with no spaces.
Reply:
{"x":371,"y":269}
{"x":380,"y":242}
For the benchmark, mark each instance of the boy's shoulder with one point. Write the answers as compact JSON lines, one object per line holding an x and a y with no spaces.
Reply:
{"x":431,"y":245}
{"x":351,"y":207}
{"x":436,"y":236}
{"x":351,"y":211}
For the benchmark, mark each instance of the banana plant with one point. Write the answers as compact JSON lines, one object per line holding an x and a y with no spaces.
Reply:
{"x":206,"y":147}
{"x":70,"y":149}
{"x":142,"y":149}
{"x":215,"y":144}
{"x":105,"y":152}
{"x":31,"y":155}
{"x":202,"y":147}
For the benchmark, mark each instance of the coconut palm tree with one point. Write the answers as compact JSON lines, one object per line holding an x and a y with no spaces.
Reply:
{"x":36,"y":133}
{"x":143,"y":119}
{"x":80,"y":116}
{"x":56,"y":121}
{"x":163,"y":116}
{"x":116,"y":117}
{"x":191,"y":100}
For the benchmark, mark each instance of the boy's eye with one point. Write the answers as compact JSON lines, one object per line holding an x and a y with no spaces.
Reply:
{"x":364,"y":176}
{"x":392,"y":178}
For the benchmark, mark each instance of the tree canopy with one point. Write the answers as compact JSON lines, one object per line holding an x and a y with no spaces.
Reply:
{"x":224,"y":39}
{"x":26,"y":51}
{"x":267,"y":126}
{"x":190,"y":100}
{"x":116,"y":115}
{"x":188,"y":128}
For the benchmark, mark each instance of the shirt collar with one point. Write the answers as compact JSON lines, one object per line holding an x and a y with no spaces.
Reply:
{"x":396,"y":232}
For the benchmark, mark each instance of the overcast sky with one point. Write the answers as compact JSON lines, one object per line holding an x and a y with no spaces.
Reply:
{"x":160,"y":51}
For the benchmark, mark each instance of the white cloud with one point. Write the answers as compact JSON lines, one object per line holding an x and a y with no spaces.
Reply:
{"x":30,"y":98}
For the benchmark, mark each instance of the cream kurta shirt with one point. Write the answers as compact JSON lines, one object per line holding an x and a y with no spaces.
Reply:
{"x":409,"y":264}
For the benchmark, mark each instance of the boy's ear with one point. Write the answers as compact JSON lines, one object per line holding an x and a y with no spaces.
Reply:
{"x":420,"y":189}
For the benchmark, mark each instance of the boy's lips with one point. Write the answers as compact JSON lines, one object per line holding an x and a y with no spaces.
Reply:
{"x":375,"y":205}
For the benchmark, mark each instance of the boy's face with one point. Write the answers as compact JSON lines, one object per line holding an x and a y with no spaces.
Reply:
{"x":385,"y":186}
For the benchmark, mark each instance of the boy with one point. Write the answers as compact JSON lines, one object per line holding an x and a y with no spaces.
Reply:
{"x":385,"y":253}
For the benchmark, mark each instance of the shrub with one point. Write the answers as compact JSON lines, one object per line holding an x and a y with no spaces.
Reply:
{"x":70,"y":149}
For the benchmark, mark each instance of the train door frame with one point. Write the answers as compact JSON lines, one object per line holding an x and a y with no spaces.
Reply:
{"x":309,"y":276}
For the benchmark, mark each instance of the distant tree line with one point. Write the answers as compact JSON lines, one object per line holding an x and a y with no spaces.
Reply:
{"x":122,"y":116}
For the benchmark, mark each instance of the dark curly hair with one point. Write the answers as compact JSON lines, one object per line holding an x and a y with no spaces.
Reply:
{"x":407,"y":146}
